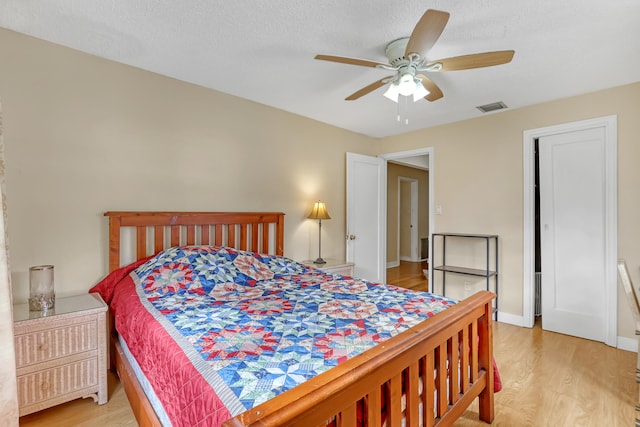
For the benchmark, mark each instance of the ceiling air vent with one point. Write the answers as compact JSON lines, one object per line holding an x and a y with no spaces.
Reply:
{"x":492,"y":107}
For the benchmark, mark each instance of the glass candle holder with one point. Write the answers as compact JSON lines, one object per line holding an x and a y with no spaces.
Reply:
{"x":41,"y":293}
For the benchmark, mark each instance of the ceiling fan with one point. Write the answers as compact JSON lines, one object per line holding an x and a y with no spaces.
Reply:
{"x":408,"y":58}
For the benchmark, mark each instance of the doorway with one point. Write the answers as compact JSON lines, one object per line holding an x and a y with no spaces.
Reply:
{"x":417,"y":188}
{"x":366,"y":236}
{"x":573,"y":152}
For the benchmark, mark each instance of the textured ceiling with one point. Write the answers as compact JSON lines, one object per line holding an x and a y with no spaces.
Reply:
{"x":263,"y":50}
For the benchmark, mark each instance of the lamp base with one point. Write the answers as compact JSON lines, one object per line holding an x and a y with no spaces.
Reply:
{"x":319,"y":261}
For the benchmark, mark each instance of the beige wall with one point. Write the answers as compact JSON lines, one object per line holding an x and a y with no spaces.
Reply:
{"x":85,"y":135}
{"x":394,"y":171}
{"x":478,"y":178}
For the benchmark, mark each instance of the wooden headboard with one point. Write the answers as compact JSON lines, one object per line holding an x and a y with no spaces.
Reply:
{"x":251,"y":231}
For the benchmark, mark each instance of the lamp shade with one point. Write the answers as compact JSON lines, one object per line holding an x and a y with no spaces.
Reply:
{"x":319,"y":211}
{"x":420,"y":91}
{"x":392,"y":92}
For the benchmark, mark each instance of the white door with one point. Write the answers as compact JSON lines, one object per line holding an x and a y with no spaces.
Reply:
{"x":573,"y":232}
{"x":366,"y":219}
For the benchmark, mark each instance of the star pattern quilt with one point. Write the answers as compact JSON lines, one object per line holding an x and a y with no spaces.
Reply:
{"x":251,"y":326}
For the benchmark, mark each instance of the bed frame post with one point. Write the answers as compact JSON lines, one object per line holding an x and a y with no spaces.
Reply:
{"x":114,"y":243}
{"x":485,"y":332}
{"x":279,"y":249}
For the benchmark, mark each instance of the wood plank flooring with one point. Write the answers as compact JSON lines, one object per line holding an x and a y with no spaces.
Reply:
{"x":548,"y":379}
{"x":408,"y":275}
{"x":86,"y":413}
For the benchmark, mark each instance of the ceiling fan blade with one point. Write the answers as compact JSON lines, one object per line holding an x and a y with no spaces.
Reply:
{"x":426,"y":32}
{"x":351,"y":61}
{"x":434,"y":91}
{"x":476,"y":60}
{"x":365,"y":90}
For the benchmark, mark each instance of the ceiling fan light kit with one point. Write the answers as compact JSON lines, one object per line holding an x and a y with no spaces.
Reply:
{"x":407,"y":57}
{"x":407,"y":86}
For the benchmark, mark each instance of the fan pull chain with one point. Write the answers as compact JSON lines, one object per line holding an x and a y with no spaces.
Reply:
{"x":406,"y":110}
{"x":399,"y":109}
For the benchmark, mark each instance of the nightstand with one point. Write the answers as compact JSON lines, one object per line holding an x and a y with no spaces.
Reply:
{"x":333,"y":266}
{"x":61,"y":354}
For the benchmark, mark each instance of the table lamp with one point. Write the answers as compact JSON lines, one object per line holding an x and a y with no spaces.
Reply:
{"x":319,"y":212}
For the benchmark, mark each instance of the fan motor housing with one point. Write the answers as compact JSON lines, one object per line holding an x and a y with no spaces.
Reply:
{"x":395,"y":51}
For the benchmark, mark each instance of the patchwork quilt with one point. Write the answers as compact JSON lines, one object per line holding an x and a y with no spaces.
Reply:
{"x":246,"y":325}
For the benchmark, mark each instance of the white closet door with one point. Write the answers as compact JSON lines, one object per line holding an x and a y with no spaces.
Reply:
{"x":573,"y":232}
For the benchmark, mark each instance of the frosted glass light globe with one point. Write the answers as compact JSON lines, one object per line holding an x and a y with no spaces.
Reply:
{"x":406,"y":85}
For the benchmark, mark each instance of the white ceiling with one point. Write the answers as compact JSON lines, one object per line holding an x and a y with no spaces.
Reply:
{"x":264,"y":50}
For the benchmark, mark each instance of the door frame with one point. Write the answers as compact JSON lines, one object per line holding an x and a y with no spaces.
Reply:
{"x":611,"y":218}
{"x":414,"y":257}
{"x":400,"y":155}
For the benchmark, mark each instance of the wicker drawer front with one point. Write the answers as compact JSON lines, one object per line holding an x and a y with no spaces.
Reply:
{"x":48,"y":384}
{"x":50,"y":344}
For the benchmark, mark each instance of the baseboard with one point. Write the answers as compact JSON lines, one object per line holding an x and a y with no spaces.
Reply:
{"x":623,"y":343}
{"x":511,"y":319}
{"x":391,"y":264}
{"x":629,"y":344}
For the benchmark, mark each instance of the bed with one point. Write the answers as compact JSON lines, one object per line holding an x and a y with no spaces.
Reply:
{"x":425,"y":374}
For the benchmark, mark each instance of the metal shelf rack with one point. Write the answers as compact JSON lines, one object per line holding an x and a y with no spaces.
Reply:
{"x":489,"y":272}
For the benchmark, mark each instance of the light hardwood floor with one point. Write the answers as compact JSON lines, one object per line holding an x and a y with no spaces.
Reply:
{"x":408,"y":275}
{"x":548,"y":379}
{"x":85,"y":413}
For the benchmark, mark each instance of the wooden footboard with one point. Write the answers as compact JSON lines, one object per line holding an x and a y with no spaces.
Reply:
{"x":427,"y":375}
